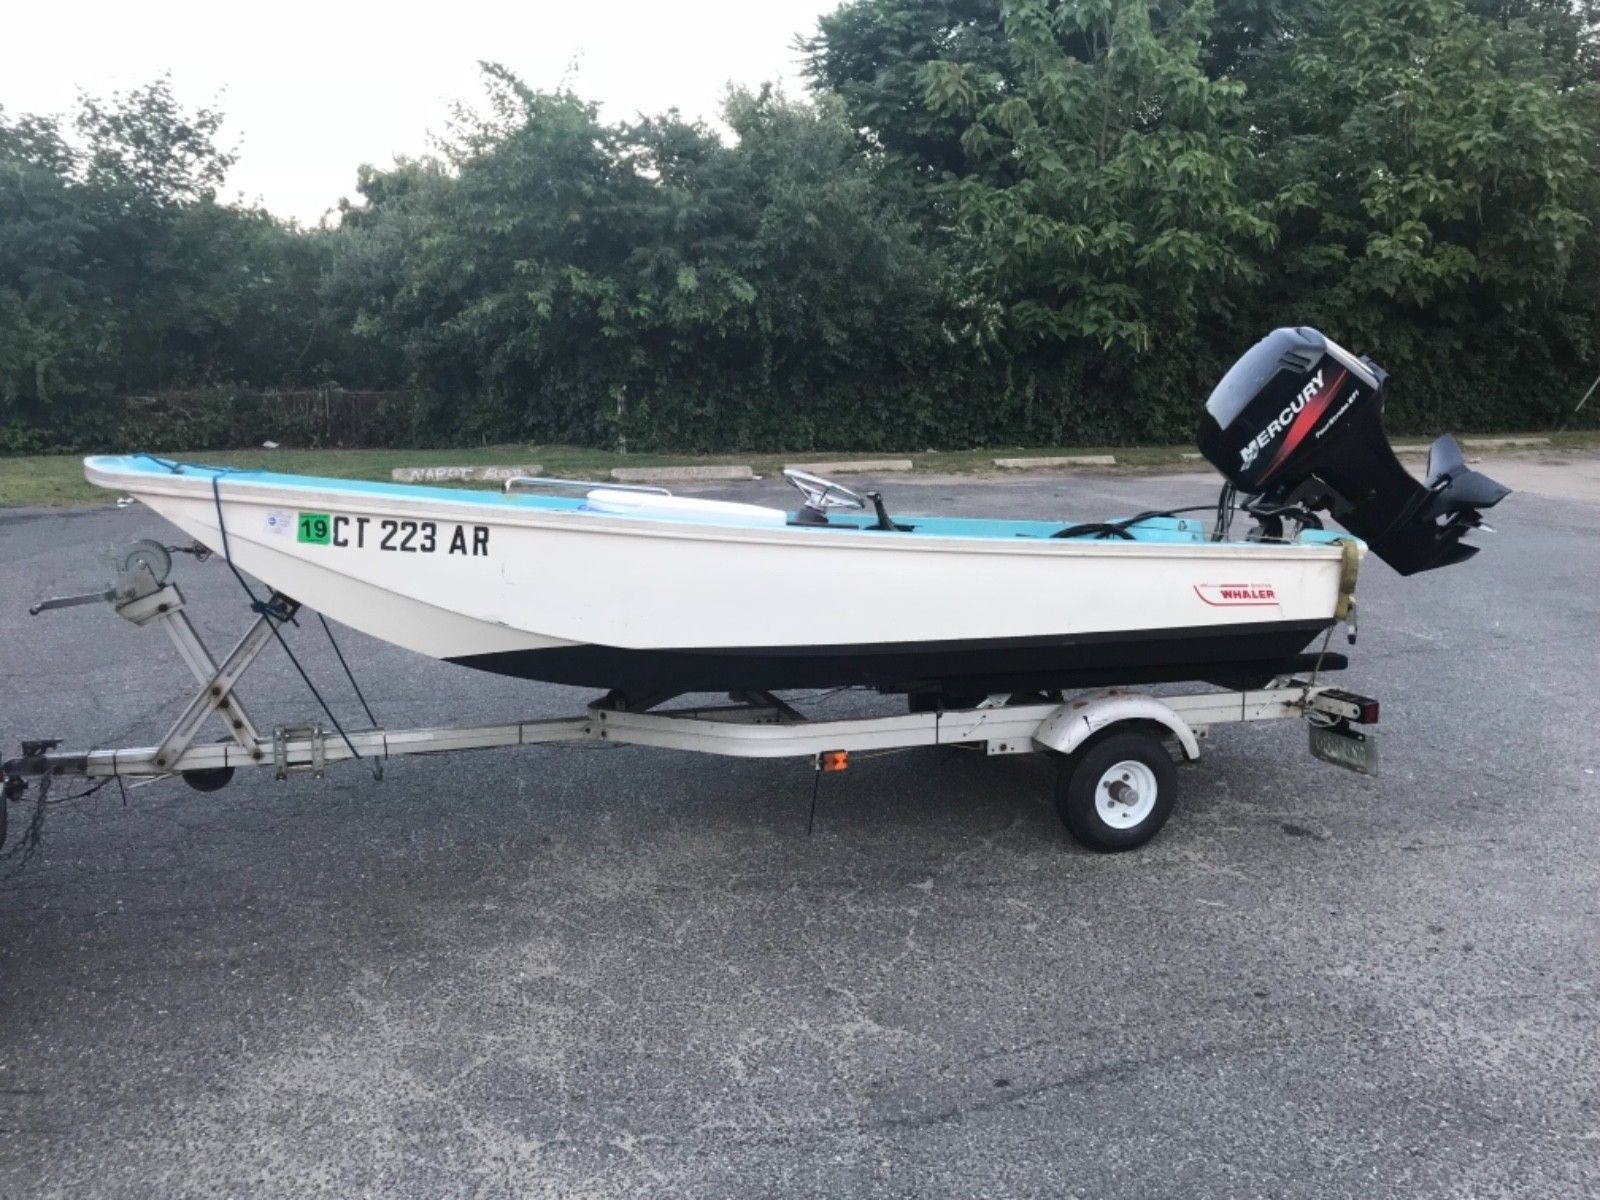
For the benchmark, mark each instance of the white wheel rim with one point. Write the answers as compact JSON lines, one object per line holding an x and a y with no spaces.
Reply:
{"x":1126,"y":794}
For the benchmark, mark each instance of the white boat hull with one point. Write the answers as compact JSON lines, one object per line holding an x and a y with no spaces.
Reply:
{"x":641,"y":604}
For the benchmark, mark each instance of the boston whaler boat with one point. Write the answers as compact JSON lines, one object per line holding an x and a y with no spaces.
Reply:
{"x":654,"y":596}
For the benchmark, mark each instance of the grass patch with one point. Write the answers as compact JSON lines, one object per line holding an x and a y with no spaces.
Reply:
{"x":58,"y":478}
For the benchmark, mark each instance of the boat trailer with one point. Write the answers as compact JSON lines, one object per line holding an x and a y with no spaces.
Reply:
{"x":1115,"y":787}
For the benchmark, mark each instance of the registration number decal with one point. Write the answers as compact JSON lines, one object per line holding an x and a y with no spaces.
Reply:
{"x":388,"y":533}
{"x":313,"y":528}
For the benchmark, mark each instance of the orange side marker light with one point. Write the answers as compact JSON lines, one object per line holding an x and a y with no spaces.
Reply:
{"x":833,"y":760}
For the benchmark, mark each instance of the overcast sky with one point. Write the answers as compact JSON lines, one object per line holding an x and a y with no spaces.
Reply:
{"x":311,"y":90}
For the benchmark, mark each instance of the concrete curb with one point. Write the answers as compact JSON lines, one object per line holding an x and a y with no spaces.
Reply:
{"x":462,"y":474}
{"x":857,"y":466}
{"x":1065,"y":460}
{"x":1503,"y":443}
{"x":1477,"y":443}
{"x":740,"y":472}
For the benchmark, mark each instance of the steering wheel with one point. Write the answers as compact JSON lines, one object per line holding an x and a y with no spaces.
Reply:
{"x":822,"y":494}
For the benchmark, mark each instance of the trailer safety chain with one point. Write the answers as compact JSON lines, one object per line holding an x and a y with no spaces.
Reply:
{"x":276,"y":615}
{"x":21,"y":852}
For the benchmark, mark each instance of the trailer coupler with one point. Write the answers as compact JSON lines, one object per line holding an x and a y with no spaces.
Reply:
{"x":36,"y":760}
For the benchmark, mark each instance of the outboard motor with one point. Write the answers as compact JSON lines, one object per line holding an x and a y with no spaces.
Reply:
{"x":1298,"y":423}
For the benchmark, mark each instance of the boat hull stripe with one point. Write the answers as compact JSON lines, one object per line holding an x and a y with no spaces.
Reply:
{"x":998,"y":664}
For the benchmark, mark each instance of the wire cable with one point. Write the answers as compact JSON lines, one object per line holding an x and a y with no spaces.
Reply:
{"x":1226,"y":501}
{"x":348,"y":674}
{"x":274,"y":618}
{"x":1119,"y":528}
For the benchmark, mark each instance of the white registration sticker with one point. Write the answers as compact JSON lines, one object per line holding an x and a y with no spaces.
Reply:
{"x":280,"y":524}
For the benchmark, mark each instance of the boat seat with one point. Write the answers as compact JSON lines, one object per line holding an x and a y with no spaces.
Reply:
{"x":681,"y":508}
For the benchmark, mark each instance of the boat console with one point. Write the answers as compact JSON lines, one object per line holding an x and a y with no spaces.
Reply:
{"x":1297,"y":425}
{"x":823,"y":494}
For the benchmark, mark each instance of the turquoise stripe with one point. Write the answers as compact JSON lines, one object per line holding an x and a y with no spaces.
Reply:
{"x":1158,"y":530}
{"x":147,"y":464}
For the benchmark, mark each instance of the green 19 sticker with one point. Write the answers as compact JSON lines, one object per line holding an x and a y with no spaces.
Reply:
{"x":314,"y":528}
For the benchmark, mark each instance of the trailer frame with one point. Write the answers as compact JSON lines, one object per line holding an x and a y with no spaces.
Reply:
{"x":752,"y":725}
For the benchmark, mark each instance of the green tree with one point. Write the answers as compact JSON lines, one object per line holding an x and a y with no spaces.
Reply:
{"x":1104,"y":192}
{"x":874,"y":54}
{"x":121,"y":271}
{"x":644,"y":283}
{"x":50,"y":323}
{"x":1442,"y":172}
{"x":996,"y":221}
{"x":1417,"y":178}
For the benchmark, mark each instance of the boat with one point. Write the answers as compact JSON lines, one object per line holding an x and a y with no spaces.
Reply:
{"x":982,"y":624}
{"x":649,"y":594}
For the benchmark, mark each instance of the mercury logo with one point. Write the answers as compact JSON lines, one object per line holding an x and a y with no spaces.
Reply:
{"x":1280,"y":422}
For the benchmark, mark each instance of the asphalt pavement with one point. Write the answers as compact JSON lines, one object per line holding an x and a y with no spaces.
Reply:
{"x":629,"y":972}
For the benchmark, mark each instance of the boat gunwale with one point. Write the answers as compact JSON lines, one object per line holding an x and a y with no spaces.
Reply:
{"x":236,"y":486}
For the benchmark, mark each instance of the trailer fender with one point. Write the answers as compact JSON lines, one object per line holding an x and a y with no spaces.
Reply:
{"x":1080,"y":718}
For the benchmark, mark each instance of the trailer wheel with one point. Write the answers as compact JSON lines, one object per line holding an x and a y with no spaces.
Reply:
{"x":1117,"y":792}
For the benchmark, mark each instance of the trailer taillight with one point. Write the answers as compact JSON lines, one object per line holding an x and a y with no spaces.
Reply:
{"x":1347,"y":706}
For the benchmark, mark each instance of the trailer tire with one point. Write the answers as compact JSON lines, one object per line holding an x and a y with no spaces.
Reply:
{"x":1117,"y":791}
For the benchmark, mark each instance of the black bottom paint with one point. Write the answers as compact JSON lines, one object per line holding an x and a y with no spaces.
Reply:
{"x":1210,"y":652}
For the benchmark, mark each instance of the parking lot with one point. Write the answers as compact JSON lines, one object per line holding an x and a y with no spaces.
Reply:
{"x":617,"y":971}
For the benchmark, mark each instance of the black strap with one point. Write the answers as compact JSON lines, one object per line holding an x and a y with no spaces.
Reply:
{"x":348,"y":673}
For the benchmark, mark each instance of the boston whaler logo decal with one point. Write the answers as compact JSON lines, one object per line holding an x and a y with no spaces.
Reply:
{"x":1229,"y":595}
{"x":1297,"y":417}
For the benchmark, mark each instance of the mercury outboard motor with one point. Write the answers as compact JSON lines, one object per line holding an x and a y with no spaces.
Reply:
{"x":1297,"y":423}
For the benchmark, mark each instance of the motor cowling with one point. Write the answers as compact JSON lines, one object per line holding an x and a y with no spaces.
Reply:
{"x":1298,"y":421}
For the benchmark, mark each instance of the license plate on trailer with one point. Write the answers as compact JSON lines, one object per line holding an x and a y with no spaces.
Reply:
{"x":1345,"y":747}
